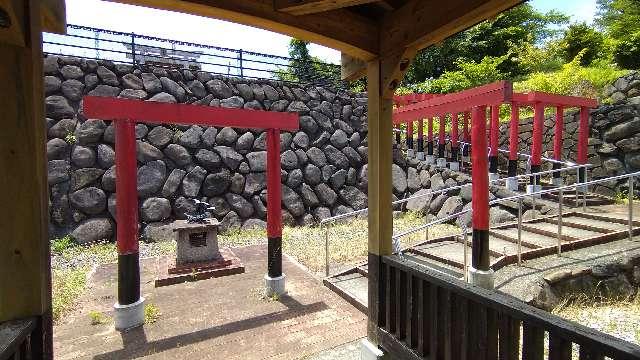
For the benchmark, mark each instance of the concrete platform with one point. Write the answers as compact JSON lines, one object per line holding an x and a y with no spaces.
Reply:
{"x":220,"y":318}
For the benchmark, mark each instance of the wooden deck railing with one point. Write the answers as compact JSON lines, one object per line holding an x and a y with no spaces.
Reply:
{"x":16,"y":340}
{"x":427,"y":315}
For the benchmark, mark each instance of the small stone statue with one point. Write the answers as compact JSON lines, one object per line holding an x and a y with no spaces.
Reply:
{"x":201,"y":213}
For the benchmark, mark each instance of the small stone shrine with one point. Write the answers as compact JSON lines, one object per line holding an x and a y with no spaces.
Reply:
{"x":197,"y":254}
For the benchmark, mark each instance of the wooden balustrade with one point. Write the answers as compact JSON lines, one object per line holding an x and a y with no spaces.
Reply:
{"x":428,"y":315}
{"x":16,"y":340}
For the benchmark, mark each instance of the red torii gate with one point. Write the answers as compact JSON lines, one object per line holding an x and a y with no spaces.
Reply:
{"x":477,"y":100}
{"x":538,"y":100}
{"x":125,"y":113}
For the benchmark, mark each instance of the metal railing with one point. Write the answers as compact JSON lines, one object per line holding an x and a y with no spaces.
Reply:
{"x":324,"y":222}
{"x":136,"y":49}
{"x":520,"y":197}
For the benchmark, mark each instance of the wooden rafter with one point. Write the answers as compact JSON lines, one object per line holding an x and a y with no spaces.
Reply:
{"x":304,"y":7}
{"x":340,"y":29}
{"x":419,"y":23}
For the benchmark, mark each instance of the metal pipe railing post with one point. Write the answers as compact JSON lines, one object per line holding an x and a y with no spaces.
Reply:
{"x":326,"y":250}
{"x":631,"y":208}
{"x":560,"y":200}
{"x":584,"y":192}
{"x":519,"y":231}
{"x":426,"y":220}
{"x":465,"y":239}
{"x":533,"y":197}
{"x":577,"y":187}
{"x":133,"y":48}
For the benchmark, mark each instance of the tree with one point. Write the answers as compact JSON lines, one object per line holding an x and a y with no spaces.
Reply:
{"x":305,"y":68}
{"x":506,"y":34}
{"x":627,"y":52}
{"x":581,"y":37}
{"x":619,"y":18}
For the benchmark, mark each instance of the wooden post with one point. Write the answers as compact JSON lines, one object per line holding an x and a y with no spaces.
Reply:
{"x":441,"y":136}
{"x":480,"y":202}
{"x":410,"y":139}
{"x":380,"y":193}
{"x":494,"y":136}
{"x":454,"y":137}
{"x":421,"y":138}
{"x":430,"y":136}
{"x":25,"y":275}
{"x":536,"y":146}
{"x":274,"y":213}
{"x":557,"y":144}
{"x":127,"y":213}
{"x":513,"y":140}
{"x":466,"y":137}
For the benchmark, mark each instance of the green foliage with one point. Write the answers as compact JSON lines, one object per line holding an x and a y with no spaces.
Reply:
{"x":468,"y":74}
{"x":70,"y":138}
{"x":60,"y":245}
{"x":545,"y":58}
{"x":151,"y":313}
{"x":572,"y":79}
{"x":67,"y":286}
{"x":581,"y":38}
{"x":305,"y":68}
{"x":619,"y":18}
{"x":627,"y":52}
{"x":98,"y":318}
{"x":506,"y":34}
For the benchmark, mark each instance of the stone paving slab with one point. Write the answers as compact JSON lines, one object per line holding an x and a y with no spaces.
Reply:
{"x":223,"y":318}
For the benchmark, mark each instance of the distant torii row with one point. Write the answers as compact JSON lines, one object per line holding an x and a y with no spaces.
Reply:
{"x":416,"y":107}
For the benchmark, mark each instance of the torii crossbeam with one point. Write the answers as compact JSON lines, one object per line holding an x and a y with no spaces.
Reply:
{"x":125,"y":113}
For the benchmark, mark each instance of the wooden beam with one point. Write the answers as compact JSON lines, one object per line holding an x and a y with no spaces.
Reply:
{"x":304,"y":7}
{"x":25,"y":276}
{"x":419,"y":23}
{"x":352,"y":68}
{"x":13,"y":29}
{"x":339,"y":29}
{"x":54,"y":16}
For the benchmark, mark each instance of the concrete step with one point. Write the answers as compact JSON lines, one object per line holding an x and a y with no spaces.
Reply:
{"x":352,"y":287}
{"x":605,"y":225}
{"x":529,"y":239}
{"x":569,"y":233}
{"x":449,"y":252}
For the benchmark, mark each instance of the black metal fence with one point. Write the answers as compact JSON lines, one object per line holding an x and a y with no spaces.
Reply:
{"x":136,"y":49}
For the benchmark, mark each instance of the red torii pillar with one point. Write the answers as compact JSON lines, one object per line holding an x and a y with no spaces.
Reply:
{"x":512,"y":171}
{"x":442,"y":161}
{"x":466,"y":137}
{"x":494,"y":131}
{"x":453,"y":162}
{"x":430,"y":158}
{"x":557,"y":145}
{"x":536,"y":147}
{"x":480,"y":273}
{"x":129,"y":310}
{"x":420,"y":154}
{"x":409,"y":139}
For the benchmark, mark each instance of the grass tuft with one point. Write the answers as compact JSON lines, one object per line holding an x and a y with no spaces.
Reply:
{"x":68,"y":285}
{"x":98,"y":318}
{"x":151,"y":313}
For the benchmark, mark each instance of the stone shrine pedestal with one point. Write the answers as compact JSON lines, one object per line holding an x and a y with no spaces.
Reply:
{"x":197,"y":255}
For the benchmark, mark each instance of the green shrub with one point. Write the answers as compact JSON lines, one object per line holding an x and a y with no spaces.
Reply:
{"x":60,"y":245}
{"x":627,"y":52}
{"x":573,"y":79}
{"x":582,"y":38}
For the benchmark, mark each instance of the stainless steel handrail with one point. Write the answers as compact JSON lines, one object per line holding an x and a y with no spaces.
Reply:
{"x":325,"y":221}
{"x":519,"y":197}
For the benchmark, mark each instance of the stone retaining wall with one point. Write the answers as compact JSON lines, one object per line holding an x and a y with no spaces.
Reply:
{"x":324,"y":170}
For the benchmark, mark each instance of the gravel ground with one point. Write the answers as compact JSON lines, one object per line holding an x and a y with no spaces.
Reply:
{"x":620,"y":319}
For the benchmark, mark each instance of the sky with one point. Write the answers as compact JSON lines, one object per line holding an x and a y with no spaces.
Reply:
{"x":195,"y":29}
